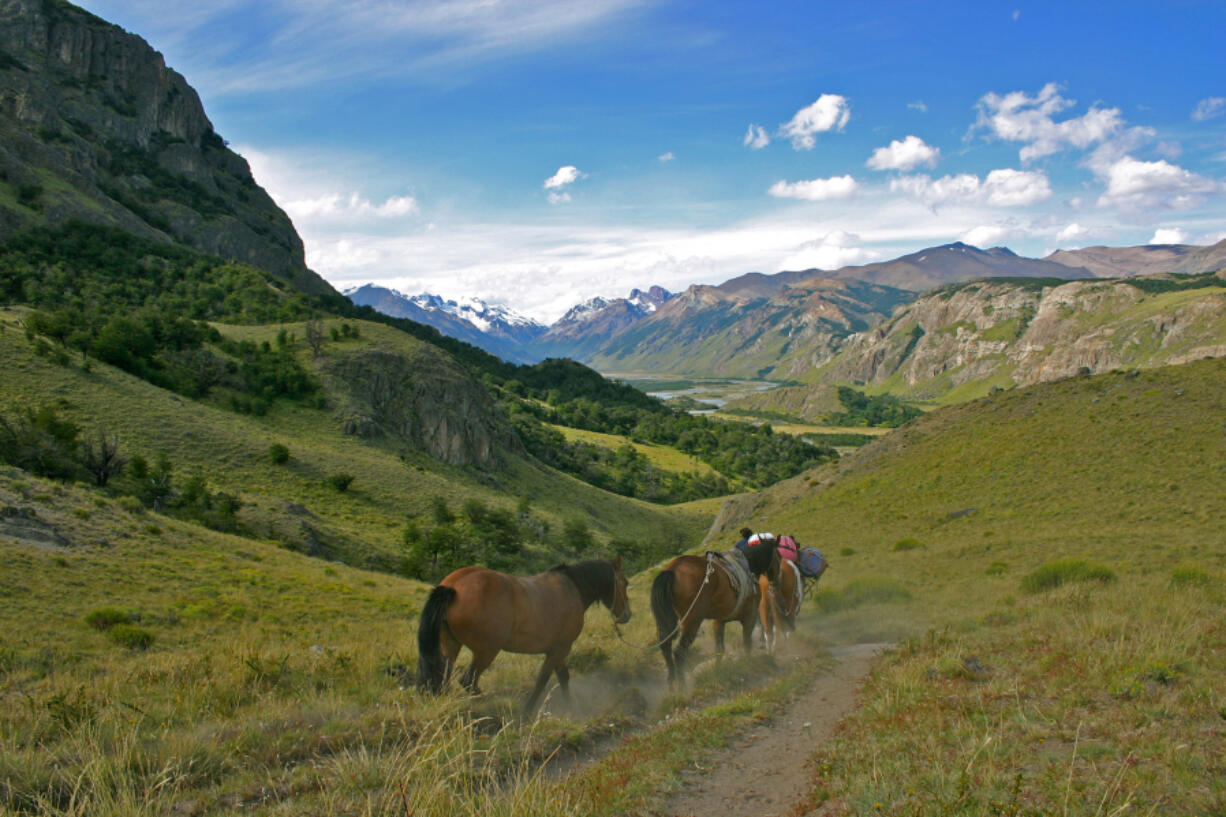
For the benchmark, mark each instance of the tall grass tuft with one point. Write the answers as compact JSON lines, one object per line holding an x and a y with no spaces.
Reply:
{"x":1064,"y":571}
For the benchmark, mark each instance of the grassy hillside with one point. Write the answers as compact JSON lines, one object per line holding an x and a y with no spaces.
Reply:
{"x":1052,"y":561}
{"x":294,"y":502}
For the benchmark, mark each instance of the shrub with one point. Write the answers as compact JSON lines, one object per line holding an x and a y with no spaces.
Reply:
{"x":1063,"y":571}
{"x":104,"y":618}
{"x":341,"y":481}
{"x":908,"y":543}
{"x":857,"y":593}
{"x":131,"y":636}
{"x":847,"y":551}
{"x":278,"y":453}
{"x":996,"y":569}
{"x":132,"y":505}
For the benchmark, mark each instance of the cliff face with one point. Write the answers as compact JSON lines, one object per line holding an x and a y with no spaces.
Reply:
{"x":426,"y":402}
{"x":94,"y":126}
{"x":1005,"y":333}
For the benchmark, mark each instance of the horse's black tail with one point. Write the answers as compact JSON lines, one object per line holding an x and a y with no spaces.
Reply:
{"x":662,"y":605}
{"x":431,"y":666}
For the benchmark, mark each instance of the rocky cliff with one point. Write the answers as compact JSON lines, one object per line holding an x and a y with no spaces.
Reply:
{"x":1003,"y":333}
{"x":425,"y":401}
{"x":94,"y":126}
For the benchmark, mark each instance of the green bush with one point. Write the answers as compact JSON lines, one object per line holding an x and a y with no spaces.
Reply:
{"x":908,"y":543}
{"x":1062,"y":571}
{"x":859,"y":592}
{"x":278,"y":453}
{"x":996,"y":569}
{"x":131,"y":636}
{"x":341,"y":481}
{"x":104,"y":618}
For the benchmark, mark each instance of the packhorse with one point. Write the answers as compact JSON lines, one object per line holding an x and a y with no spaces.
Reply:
{"x":488,"y":612}
{"x":692,"y":589}
{"x":780,"y":602}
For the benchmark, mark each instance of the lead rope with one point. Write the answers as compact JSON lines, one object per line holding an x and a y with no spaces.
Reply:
{"x":705,"y":579}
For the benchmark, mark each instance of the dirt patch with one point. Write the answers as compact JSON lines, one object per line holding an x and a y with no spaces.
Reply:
{"x":764,"y":772}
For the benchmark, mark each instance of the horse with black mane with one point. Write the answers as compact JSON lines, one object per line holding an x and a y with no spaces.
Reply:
{"x":692,"y":589}
{"x":488,"y":612}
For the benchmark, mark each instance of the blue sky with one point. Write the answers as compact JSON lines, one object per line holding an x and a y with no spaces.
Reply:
{"x":535,"y":153}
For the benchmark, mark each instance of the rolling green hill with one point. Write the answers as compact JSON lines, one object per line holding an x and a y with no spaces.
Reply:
{"x":1051,"y":561}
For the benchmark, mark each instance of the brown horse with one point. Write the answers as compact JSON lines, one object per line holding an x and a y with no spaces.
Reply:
{"x":780,"y":601}
{"x":488,"y":612}
{"x":692,"y":589}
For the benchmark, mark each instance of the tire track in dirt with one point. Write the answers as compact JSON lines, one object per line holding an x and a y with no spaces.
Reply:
{"x":764,"y":772}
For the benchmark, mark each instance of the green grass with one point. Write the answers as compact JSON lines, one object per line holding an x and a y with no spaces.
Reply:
{"x":662,"y":457}
{"x":1091,"y":696}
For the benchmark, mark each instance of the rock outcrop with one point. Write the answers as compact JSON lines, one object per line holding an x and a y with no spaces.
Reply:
{"x":422,"y":402}
{"x":94,"y":126}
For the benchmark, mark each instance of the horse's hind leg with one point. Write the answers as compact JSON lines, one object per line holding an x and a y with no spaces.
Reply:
{"x":718,"y":629}
{"x":666,"y":648}
{"x":481,"y":661}
{"x":747,"y":625}
{"x":682,"y":652}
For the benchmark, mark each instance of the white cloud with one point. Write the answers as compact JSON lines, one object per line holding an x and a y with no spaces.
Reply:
{"x":1169,"y":235}
{"x":1015,"y":188}
{"x":666,"y":157}
{"x":563,"y":177}
{"x":1132,"y":183}
{"x":1073,"y":232}
{"x":1209,"y":108}
{"x":985,"y":235}
{"x":558,"y":198}
{"x":1004,"y":187}
{"x":829,"y":112}
{"x":1017,"y":13}
{"x":1017,"y":117}
{"x":309,"y":43}
{"x":836,"y":187}
{"x":756,"y":137}
{"x":353,"y":206}
{"x":907,"y":154}
{"x":830,"y":252}
{"x":918,"y":105}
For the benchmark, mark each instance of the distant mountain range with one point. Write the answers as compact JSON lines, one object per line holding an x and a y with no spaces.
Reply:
{"x":782,"y":326}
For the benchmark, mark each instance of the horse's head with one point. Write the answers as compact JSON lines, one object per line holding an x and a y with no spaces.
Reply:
{"x":620,"y":606}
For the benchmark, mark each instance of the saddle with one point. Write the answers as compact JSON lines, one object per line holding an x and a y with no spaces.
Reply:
{"x":736,"y":566}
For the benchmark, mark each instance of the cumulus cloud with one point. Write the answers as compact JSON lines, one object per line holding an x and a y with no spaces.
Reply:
{"x":830,"y":252}
{"x":336,"y":206}
{"x":1073,"y":232}
{"x":1018,"y":117}
{"x":1001,"y":188}
{"x":985,"y":235}
{"x":1169,"y":235}
{"x":563,"y":177}
{"x":756,"y":137}
{"x":907,"y":154}
{"x":836,"y":187}
{"x":1133,"y":183}
{"x":829,"y":112}
{"x":1209,"y":108}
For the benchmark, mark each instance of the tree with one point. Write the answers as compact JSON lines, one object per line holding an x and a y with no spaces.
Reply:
{"x":314,"y":329}
{"x":102,"y":458}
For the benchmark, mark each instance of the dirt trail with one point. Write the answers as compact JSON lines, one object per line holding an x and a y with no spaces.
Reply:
{"x":763,"y":772}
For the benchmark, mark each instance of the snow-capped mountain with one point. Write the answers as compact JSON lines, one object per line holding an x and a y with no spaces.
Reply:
{"x":492,"y":319}
{"x":496,"y":329}
{"x":594,"y":321}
